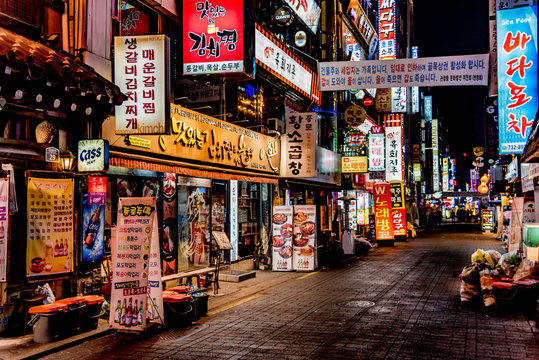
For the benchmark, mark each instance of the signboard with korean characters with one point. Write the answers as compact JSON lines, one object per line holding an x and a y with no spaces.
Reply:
{"x":460,"y":70}
{"x":398,"y":212}
{"x":398,"y":100}
{"x":198,"y":136}
{"x":213,"y":37}
{"x":354,"y":115}
{"x":376,"y":149}
{"x":387,"y":20}
{"x":49,"y":237}
{"x":355,"y":164}
{"x":142,"y":72}
{"x":282,"y":236}
{"x":307,"y":11}
{"x":93,"y":155}
{"x":361,"y":20}
{"x":394,"y":153}
{"x":299,"y":145}
{"x":304,"y":243}
{"x":382,"y":212}
{"x":4,"y":226}
{"x":274,"y":57}
{"x":518,"y":66}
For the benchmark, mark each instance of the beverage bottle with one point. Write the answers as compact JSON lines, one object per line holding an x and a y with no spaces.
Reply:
{"x":61,"y":248}
{"x":56,"y":249}
{"x":123,"y":314}
{"x":134,"y":321}
{"x":129,"y":313}
{"x":140,"y":313}
{"x":65,"y":248}
{"x":92,"y":228}
{"x":118,"y":312}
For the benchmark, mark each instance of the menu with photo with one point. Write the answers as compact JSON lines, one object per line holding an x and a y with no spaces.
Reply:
{"x":304,"y":242}
{"x":282,"y":225}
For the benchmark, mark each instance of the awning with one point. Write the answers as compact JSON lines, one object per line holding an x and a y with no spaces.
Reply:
{"x":56,"y":74}
{"x":142,"y":162}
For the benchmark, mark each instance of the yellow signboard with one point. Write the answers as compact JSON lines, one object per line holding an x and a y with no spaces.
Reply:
{"x":49,"y":247}
{"x":355,"y":164}
{"x":196,"y":136}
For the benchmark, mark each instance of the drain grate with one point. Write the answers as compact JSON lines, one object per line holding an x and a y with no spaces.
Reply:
{"x":356,"y":303}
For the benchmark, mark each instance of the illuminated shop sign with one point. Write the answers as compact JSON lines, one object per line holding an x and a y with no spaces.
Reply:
{"x":386,"y":29}
{"x":275,"y":57}
{"x":361,"y":21}
{"x":394,"y":163}
{"x":517,"y":76}
{"x":212,"y":37}
{"x":307,"y":11}
{"x":376,"y":149}
{"x":300,"y":143}
{"x":355,"y":164}
{"x":93,"y":155}
{"x":206,"y":139}
{"x":382,"y":212}
{"x":141,"y":71}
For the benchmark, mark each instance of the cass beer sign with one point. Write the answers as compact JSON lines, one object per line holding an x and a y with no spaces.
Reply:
{"x":93,"y":155}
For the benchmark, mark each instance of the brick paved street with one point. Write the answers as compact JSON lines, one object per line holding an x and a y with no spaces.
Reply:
{"x":416,"y":314}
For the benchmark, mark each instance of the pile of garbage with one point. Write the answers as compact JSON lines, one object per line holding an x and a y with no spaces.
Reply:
{"x":488,"y":267}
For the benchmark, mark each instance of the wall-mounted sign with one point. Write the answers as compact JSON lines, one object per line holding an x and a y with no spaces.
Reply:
{"x":417,"y":172}
{"x":382,"y":212}
{"x":142,"y":72}
{"x":376,"y":150}
{"x":93,"y":155}
{"x":415,"y":89}
{"x":387,"y":15}
{"x":352,"y":50}
{"x":445,"y":174}
{"x":517,"y":76}
{"x":478,"y":150}
{"x":283,"y":16}
{"x":427,"y":107}
{"x":397,"y":208}
{"x":487,"y":219}
{"x":307,"y":11}
{"x":361,"y":21}
{"x":52,"y":154}
{"x":300,"y":142}
{"x":300,"y":38}
{"x":435,"y":157}
{"x":398,"y":100}
{"x":275,"y":57}
{"x":367,"y":101}
{"x":354,"y":115}
{"x":470,"y":70}
{"x":213,"y":37}
{"x":355,"y":164}
{"x":394,"y":154}
{"x":197,"y":136}
{"x":383,"y":100}
{"x":355,"y":139}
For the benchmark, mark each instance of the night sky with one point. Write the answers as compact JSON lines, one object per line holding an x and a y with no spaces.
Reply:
{"x":455,"y":27}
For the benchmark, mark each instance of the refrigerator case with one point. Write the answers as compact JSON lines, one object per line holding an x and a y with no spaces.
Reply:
{"x":282,"y":231}
{"x":304,"y":242}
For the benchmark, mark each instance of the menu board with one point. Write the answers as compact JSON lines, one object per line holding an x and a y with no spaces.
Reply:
{"x":49,"y":248}
{"x":304,"y":237}
{"x":135,"y":230}
{"x":283,"y":230}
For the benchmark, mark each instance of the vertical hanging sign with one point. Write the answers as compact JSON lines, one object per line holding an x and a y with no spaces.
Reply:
{"x":300,"y":142}
{"x":130,"y":266}
{"x":234,"y":220}
{"x":435,"y":157}
{"x":376,"y":149}
{"x":517,"y":76}
{"x":382,"y":212}
{"x":394,"y":166}
{"x":93,"y":219}
{"x":386,"y":30}
{"x":169,"y":241}
{"x":49,"y":241}
{"x":4,"y":226}
{"x":397,"y":208}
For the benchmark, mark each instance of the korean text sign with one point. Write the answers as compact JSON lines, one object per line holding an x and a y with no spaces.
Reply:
{"x":386,"y":29}
{"x":49,"y":238}
{"x":382,"y":212}
{"x":394,"y":165}
{"x":130,"y":267}
{"x":141,"y":71}
{"x":4,"y":226}
{"x":212,"y":37}
{"x":397,"y":204}
{"x":308,"y":11}
{"x":376,"y":149}
{"x":469,"y":70}
{"x":300,"y":139}
{"x":517,"y":76}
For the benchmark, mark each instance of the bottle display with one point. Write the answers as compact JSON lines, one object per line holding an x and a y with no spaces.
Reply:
{"x":61,"y":248}
{"x":118,"y":313}
{"x":123,"y":314}
{"x":134,"y":321}
{"x":129,"y":313}
{"x":56,"y":247}
{"x":92,"y":229}
{"x":65,"y":248}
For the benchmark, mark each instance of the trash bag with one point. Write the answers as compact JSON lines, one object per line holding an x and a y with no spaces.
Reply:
{"x":491,"y":258}
{"x":525,"y":269}
{"x":45,"y":289}
{"x":469,"y":283}
{"x":508,"y":264}
{"x":477,"y":257}
{"x":487,"y":277}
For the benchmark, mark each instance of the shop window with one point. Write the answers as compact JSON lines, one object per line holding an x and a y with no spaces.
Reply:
{"x":248,"y":218}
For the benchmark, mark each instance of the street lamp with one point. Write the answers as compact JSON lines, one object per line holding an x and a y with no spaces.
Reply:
{"x":67,"y":160}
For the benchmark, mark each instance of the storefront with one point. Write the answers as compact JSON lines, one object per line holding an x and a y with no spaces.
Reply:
{"x":207,"y":176}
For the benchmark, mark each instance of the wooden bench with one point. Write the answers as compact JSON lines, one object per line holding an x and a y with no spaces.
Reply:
{"x":190,"y":275}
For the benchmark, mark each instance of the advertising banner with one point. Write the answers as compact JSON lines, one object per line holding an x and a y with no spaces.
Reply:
{"x":169,"y":240}
{"x":141,"y":70}
{"x":93,"y":230}
{"x":300,"y":142}
{"x":273,"y":56}
{"x":398,"y":212}
{"x":435,"y":157}
{"x":93,"y":155}
{"x":283,"y":231}
{"x":376,"y":149}
{"x":304,"y":243}
{"x":212,"y":37}
{"x":130,"y":265}
{"x":518,"y":96}
{"x":427,"y":108}
{"x":461,"y":70}
{"x":382,"y":212}
{"x":387,"y":15}
{"x":49,"y":238}
{"x":233,"y":227}
{"x":394,"y":154}
{"x":398,"y":100}
{"x":4,"y":226}
{"x":307,"y":11}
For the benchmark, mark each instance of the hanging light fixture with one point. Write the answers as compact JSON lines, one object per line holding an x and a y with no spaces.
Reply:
{"x":67,"y":161}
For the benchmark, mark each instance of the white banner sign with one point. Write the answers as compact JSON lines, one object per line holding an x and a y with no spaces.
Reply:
{"x":300,"y":141}
{"x":466,"y":70}
{"x":4,"y":226}
{"x":394,"y":153}
{"x":376,"y":152}
{"x":435,"y":157}
{"x":141,"y":66}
